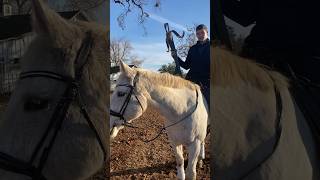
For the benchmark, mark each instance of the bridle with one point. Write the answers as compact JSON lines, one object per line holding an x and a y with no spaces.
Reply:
{"x":71,"y":94}
{"x":125,"y":104}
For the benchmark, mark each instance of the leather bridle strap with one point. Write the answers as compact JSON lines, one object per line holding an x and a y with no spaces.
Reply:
{"x":125,"y":104}
{"x":12,"y":164}
{"x":81,"y":61}
{"x":46,"y":74}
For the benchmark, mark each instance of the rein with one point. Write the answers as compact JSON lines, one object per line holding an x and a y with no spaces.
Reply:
{"x":165,"y":127}
{"x":278,"y":128}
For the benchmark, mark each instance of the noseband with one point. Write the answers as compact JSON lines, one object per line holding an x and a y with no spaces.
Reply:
{"x":71,"y":94}
{"x":125,"y":104}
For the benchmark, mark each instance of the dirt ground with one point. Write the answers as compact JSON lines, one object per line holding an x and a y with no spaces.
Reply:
{"x":134,"y":159}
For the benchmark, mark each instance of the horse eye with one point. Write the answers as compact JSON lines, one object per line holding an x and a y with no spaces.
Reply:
{"x":120,"y":94}
{"x":35,"y":104}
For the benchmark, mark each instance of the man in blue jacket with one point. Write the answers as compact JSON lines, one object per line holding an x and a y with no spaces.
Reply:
{"x":198,"y":61}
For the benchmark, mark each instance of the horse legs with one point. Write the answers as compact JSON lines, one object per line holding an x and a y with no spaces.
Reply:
{"x":178,"y":152}
{"x":201,"y":155}
{"x":193,"y":154}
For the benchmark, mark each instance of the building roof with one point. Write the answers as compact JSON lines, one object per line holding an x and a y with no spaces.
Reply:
{"x":16,"y":25}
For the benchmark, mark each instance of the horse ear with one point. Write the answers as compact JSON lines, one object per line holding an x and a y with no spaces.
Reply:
{"x":46,"y":21}
{"x":124,"y":68}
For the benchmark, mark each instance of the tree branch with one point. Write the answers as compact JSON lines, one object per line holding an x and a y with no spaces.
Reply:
{"x":136,"y":3}
{"x":118,"y":2}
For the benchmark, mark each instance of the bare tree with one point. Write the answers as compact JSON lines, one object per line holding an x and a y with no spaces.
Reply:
{"x":121,"y":50}
{"x":185,"y":43}
{"x":135,"y":60}
{"x":129,"y":5}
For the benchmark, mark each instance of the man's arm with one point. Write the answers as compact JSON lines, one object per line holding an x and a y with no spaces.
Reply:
{"x":184,"y":64}
{"x":242,"y":12}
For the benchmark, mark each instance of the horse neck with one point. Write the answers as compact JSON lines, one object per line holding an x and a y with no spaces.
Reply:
{"x":247,"y":112}
{"x":172,"y":103}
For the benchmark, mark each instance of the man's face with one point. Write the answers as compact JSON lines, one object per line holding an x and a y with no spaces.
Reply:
{"x":202,"y":34}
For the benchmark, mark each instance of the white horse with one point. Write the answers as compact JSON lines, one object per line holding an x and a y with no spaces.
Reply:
{"x":259,"y":133}
{"x":178,"y":100}
{"x":55,"y":125}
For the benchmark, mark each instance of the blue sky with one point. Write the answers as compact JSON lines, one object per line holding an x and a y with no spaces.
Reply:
{"x":151,"y":46}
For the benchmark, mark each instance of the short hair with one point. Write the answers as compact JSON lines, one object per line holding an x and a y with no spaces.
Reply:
{"x":201,"y":26}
